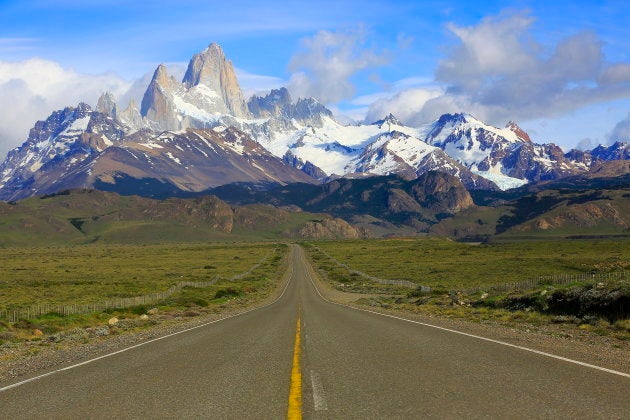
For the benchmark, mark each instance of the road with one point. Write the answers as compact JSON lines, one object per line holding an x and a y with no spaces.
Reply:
{"x":337,"y":362}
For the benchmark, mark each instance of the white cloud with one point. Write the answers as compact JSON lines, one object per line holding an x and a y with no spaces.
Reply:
{"x":326,"y":63}
{"x":616,"y":73}
{"x":30,"y":90}
{"x":498,"y":72}
{"x":404,"y":105}
{"x":257,"y":84}
{"x":621,"y":132}
{"x":494,"y":48}
{"x":586,"y":144}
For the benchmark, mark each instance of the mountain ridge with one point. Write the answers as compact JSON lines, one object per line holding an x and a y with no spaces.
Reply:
{"x":287,"y":141}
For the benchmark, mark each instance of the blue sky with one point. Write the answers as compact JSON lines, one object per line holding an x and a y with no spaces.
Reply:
{"x":561,"y":69}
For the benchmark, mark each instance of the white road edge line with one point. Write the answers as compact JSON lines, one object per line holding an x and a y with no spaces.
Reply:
{"x":503,"y":343}
{"x":15,"y":385}
{"x":319,"y":397}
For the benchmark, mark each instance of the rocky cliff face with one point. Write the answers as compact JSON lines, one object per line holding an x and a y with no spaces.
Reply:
{"x":441,"y":193}
{"x":211,"y":69}
{"x":158,"y":102}
{"x":329,"y":229}
{"x":619,"y":150}
{"x":279,"y":105}
{"x":208,"y":90}
{"x":107,"y":105}
{"x":535,"y":162}
{"x":520,"y":133}
{"x":73,"y":145}
{"x":306,"y":167}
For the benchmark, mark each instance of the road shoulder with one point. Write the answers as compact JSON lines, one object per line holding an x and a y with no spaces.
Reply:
{"x":586,"y":347}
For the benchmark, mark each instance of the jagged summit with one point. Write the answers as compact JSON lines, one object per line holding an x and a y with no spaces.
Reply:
{"x":208,"y":90}
{"x":279,"y":104}
{"x":203,"y":66}
{"x":212,"y":69}
{"x":389,"y":119}
{"x":161,"y":75}
{"x":272,"y":105}
{"x":619,"y":150}
{"x":200,"y":132}
{"x":107,"y":104}
{"x":520,"y":133}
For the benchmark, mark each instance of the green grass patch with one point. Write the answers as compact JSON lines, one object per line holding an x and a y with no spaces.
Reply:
{"x":448,"y":265}
{"x":189,"y":302}
{"x":95,"y":273}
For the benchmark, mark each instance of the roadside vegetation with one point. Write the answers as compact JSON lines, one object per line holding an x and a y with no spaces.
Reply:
{"x":92,"y":274}
{"x":468,"y":281}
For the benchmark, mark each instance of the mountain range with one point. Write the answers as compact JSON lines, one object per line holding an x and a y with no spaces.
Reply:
{"x":201,"y":133}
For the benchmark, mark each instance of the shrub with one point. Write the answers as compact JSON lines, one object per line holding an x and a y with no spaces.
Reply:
{"x":227,"y":292}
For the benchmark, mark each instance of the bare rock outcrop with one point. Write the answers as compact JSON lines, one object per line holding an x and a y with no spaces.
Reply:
{"x":329,"y":229}
{"x":441,"y":192}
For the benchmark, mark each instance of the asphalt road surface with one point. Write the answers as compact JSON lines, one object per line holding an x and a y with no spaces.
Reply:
{"x":304,"y":355}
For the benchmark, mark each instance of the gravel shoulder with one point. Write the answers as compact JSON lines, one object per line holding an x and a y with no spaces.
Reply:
{"x":566,"y":342}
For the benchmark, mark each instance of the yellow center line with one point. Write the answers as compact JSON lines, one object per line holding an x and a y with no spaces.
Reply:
{"x":295,"y":394}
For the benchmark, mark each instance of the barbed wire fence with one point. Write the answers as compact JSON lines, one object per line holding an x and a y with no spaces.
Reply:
{"x":35,"y":311}
{"x":400,"y":283}
{"x":556,"y":279}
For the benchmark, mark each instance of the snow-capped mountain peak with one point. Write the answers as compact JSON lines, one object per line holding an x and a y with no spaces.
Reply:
{"x":520,"y":133}
{"x":212,"y":69}
{"x":195,"y":132}
{"x":389,"y":120}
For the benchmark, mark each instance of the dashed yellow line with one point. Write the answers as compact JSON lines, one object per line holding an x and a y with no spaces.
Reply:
{"x":294,"y":411}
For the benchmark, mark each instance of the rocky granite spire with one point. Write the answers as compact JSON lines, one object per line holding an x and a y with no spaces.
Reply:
{"x":278,"y":104}
{"x":157,"y":105}
{"x":212,"y":69}
{"x":107,"y":104}
{"x":131,"y":117}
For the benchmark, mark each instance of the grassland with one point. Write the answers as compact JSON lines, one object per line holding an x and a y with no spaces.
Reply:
{"x":87,"y":274}
{"x":452,"y":269}
{"x":448,"y":265}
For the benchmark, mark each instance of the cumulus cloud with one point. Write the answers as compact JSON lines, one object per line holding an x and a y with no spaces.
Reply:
{"x":497,"y":71}
{"x":30,"y":90}
{"x":327,"y":61}
{"x":621,"y":132}
{"x":404,"y":105}
{"x":586,"y":144}
{"x":616,"y":73}
{"x":257,"y":84}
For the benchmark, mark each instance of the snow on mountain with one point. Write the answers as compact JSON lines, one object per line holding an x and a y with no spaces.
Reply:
{"x":501,"y":153}
{"x":470,"y":141}
{"x":208,"y":90}
{"x":331,"y":146}
{"x":61,"y":142}
{"x":504,"y":182}
{"x":190,"y":160}
{"x":200,"y":132}
{"x":619,"y":150}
